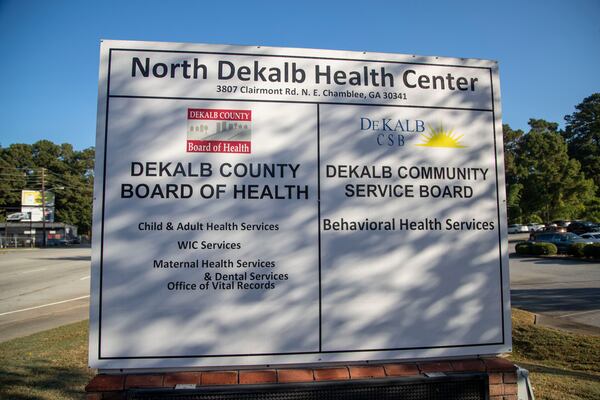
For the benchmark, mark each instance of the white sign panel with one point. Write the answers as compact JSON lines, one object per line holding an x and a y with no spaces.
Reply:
{"x":36,"y":213}
{"x":272,"y":206}
{"x":33,"y":205}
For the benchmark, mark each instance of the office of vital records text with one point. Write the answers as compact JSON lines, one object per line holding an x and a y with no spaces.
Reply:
{"x":270,"y":206}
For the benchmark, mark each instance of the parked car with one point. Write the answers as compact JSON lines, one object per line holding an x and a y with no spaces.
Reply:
{"x":591,"y":235}
{"x":517,"y":228}
{"x":554,"y":228}
{"x":15,"y":217}
{"x":562,"y":240}
{"x":536,"y":227}
{"x":74,"y":240}
{"x":579,"y":227}
{"x":561,"y":222}
{"x":57,"y":242}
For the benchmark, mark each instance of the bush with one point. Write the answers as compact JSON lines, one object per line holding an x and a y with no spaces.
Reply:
{"x":576,"y":250}
{"x":523,"y":248}
{"x":543,"y":249}
{"x":536,"y":249}
{"x":535,"y":219}
{"x":592,"y":250}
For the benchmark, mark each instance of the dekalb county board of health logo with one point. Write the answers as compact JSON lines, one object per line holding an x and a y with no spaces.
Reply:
{"x":219,"y":131}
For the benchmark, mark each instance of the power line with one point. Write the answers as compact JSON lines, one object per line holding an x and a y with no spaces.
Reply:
{"x":34,"y":173}
{"x":19,"y":177}
{"x":16,"y":181}
{"x":28,"y":185}
{"x":34,"y":177}
{"x":34,"y":169}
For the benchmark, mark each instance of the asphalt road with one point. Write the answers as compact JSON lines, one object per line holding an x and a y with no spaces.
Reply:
{"x":42,"y":289}
{"x":565,"y":292}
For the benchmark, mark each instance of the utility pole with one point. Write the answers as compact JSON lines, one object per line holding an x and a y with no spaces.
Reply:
{"x":4,"y":241}
{"x":43,"y":208}
{"x":31,"y":234}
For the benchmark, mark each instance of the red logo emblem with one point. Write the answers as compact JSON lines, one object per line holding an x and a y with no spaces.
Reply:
{"x":219,"y":131}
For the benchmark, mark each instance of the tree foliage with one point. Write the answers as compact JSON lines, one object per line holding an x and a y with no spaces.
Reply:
{"x":67,"y":172}
{"x":543,"y":180}
{"x":582,"y":134}
{"x":514,"y":189}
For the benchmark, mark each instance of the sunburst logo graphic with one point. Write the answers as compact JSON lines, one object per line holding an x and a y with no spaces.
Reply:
{"x":439,"y":137}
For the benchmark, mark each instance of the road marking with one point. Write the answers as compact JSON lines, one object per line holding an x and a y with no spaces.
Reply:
{"x":34,"y":270}
{"x":44,"y":305}
{"x":84,"y":278}
{"x":578,"y":313}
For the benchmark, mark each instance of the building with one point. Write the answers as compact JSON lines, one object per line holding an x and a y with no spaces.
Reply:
{"x":31,"y":234}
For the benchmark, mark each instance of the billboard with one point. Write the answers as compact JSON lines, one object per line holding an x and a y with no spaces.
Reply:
{"x":32,"y":204}
{"x":36,"y":213}
{"x":34,"y":198}
{"x":260,"y":205}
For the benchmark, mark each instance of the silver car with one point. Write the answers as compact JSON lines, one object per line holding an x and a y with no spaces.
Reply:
{"x":518,"y":228}
{"x":595,"y":236}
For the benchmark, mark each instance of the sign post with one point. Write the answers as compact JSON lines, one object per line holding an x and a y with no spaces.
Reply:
{"x":262,"y":206}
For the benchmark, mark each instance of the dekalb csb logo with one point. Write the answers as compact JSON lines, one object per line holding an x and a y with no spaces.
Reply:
{"x":392,"y":133}
{"x":219,"y":131}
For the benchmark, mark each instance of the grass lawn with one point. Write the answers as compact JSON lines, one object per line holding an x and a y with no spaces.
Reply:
{"x":53,"y":364}
{"x":46,"y":365}
{"x":562,"y":366}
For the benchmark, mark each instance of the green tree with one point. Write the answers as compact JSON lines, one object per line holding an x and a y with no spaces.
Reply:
{"x":582,"y":134}
{"x":553,"y":184}
{"x":514,"y":188}
{"x":67,"y":172}
{"x":15,"y":175}
{"x":592,"y":212}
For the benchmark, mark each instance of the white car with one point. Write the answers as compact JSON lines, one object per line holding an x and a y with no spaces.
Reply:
{"x":536,"y":227}
{"x":518,"y":228}
{"x":18,"y":217}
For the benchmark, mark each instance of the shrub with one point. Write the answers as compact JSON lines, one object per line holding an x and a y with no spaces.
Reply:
{"x":576,"y":250}
{"x":536,"y":249}
{"x":523,"y":248}
{"x":535,"y":219}
{"x":592,"y":250}
{"x":543,"y":249}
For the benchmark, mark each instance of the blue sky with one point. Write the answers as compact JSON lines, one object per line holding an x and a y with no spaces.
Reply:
{"x":549,"y":51}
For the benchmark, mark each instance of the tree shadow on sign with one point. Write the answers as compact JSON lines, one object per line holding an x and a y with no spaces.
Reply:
{"x":380,"y":289}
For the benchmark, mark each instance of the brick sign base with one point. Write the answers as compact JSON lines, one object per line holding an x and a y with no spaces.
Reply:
{"x":501,"y":373}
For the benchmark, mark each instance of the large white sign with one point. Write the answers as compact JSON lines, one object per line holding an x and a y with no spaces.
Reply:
{"x":32,"y":204}
{"x":262,"y":205}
